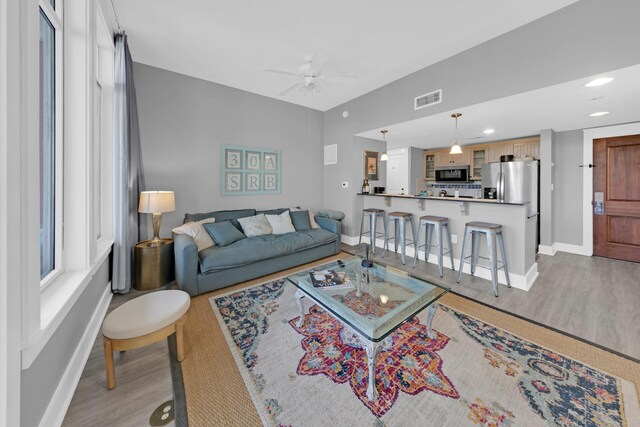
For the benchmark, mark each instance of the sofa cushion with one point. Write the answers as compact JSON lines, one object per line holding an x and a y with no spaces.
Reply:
{"x":253,"y":249}
{"x":281,"y":224}
{"x":300,"y":220}
{"x":312,"y":217}
{"x":221,"y":216}
{"x":223,"y":233}
{"x":197,"y":233}
{"x":273,"y":211}
{"x":255,"y":225}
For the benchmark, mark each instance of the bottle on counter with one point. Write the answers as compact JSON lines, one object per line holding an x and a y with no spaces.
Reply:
{"x":365,"y":186}
{"x":456,"y":193}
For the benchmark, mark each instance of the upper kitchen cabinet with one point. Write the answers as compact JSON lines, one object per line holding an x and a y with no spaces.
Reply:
{"x":479,"y":157}
{"x":429,"y":166}
{"x":498,"y":149}
{"x":527,"y":148}
{"x":443,"y":158}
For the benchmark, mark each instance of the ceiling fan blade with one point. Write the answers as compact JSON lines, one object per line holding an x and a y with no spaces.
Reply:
{"x":339,"y":76}
{"x":271,"y":70}
{"x":290,"y":88}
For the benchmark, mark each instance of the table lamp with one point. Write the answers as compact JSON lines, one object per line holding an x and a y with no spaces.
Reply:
{"x":156,"y":202}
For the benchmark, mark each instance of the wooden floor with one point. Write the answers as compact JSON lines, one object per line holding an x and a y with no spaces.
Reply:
{"x":594,"y":299}
{"x":143,"y":378}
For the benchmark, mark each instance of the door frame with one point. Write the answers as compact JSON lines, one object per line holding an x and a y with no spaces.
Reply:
{"x":587,"y":175}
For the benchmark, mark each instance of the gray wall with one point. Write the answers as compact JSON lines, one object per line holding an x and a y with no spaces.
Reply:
{"x":567,"y":194}
{"x":183,"y":123}
{"x":39,"y":382}
{"x":547,"y":140}
{"x":585,"y":38}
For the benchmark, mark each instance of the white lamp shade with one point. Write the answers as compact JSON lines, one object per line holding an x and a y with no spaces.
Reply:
{"x":157,"y":202}
{"x":384,"y":157}
{"x":455,"y":149}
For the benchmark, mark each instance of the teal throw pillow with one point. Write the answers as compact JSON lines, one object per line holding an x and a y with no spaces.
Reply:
{"x":223,"y":233}
{"x":300,"y":220}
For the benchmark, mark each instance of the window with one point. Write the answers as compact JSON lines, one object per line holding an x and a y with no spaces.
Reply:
{"x":50,"y":141}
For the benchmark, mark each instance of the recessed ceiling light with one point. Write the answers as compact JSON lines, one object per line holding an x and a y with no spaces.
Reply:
{"x":599,"y":82}
{"x":599,"y":113}
{"x":488,"y":131}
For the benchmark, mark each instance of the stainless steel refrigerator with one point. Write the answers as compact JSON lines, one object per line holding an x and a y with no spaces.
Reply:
{"x":512,"y":182}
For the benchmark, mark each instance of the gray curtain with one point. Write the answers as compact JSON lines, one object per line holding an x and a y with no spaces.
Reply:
{"x":128,"y":180}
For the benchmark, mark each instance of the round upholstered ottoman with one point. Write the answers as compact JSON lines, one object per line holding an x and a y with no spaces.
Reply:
{"x":143,"y":321}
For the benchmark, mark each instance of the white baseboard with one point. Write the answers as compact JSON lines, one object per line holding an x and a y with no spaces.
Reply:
{"x":349,"y":240}
{"x":518,"y":281}
{"x":59,"y":403}
{"x":563,"y":247}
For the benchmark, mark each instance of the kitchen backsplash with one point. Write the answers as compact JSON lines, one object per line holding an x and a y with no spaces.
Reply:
{"x":464,"y":189}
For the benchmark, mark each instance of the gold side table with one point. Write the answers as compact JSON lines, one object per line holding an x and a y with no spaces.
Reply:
{"x":154,"y":265}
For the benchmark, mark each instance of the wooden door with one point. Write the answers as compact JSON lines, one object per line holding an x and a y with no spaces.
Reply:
{"x":616,"y":232}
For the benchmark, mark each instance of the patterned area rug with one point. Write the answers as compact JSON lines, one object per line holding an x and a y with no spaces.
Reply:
{"x":472,"y":373}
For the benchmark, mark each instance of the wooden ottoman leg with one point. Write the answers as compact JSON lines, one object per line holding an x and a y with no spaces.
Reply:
{"x":108,"y":363}
{"x":180,"y":340}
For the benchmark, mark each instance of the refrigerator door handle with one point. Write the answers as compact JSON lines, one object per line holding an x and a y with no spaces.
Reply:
{"x":500,"y":186}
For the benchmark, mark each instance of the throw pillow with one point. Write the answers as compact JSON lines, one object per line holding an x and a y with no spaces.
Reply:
{"x":223,"y":233}
{"x":312,"y":217}
{"x":255,"y":225}
{"x":281,"y":224}
{"x":197,"y":233}
{"x":300,"y":220}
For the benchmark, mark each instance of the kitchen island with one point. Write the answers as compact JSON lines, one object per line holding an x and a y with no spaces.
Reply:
{"x":518,"y":229}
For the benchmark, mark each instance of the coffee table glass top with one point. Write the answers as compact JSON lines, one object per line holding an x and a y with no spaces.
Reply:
{"x":384,"y":302}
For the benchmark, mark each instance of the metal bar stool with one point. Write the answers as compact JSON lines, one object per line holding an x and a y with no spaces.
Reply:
{"x":437,"y":224}
{"x":493,"y":232}
{"x":373,"y":215}
{"x":400,"y":220}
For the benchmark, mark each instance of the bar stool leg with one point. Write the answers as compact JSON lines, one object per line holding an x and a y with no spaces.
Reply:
{"x":427,"y":242}
{"x":361,"y":228}
{"x":439,"y":249}
{"x":475,"y":249}
{"x":396,"y":227}
{"x":453,"y":267}
{"x":493,"y":260}
{"x":464,"y":248}
{"x":413,"y":233}
{"x":372,"y":233}
{"x":417,"y":246}
{"x":504,"y":258}
{"x":403,"y":243}
{"x":386,"y":237}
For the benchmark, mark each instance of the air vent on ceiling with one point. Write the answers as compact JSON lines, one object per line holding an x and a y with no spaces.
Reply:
{"x":427,"y":99}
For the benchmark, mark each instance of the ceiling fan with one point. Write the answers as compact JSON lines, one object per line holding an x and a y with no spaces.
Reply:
{"x":310,"y":75}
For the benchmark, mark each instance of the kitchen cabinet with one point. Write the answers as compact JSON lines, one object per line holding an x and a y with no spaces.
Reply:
{"x":498,"y":149}
{"x":527,"y":148}
{"x":444,"y":159}
{"x":478,"y":158}
{"x":430,"y":166}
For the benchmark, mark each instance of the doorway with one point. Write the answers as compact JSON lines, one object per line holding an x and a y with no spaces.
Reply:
{"x":616,"y":197}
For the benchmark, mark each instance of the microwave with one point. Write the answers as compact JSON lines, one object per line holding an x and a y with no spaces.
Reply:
{"x":452,"y":174}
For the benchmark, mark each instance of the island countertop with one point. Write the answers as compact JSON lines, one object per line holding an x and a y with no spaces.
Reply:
{"x":446,"y":199}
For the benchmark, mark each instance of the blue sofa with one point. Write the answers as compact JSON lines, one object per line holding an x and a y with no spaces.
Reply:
{"x":216,"y":267}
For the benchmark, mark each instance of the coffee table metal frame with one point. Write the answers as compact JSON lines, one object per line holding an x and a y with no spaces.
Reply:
{"x":371,"y":345}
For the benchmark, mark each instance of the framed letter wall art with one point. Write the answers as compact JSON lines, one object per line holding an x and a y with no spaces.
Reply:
{"x":246,"y":171}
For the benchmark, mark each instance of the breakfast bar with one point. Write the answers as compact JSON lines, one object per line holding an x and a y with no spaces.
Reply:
{"x":518,"y":227}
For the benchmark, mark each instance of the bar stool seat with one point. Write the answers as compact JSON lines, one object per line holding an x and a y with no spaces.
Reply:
{"x":373,"y":214}
{"x":400,"y":220}
{"x":493,"y":233}
{"x":438,"y":224}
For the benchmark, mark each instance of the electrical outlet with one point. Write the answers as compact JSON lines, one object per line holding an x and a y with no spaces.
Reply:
{"x":345,"y":184}
{"x":454,"y":238}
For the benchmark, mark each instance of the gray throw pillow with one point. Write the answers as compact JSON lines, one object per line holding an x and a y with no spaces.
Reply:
{"x":223,"y":233}
{"x":255,"y":225}
{"x":300,"y":220}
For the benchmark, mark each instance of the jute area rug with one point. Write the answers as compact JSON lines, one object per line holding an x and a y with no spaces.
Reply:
{"x":248,"y":364}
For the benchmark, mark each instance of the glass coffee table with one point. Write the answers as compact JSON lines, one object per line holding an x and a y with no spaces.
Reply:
{"x":379,"y":300}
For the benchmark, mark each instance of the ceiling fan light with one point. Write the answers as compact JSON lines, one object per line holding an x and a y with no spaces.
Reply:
{"x":455,"y":149}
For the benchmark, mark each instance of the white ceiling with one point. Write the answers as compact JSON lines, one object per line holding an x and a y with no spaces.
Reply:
{"x":561,"y":107}
{"x":230,"y":42}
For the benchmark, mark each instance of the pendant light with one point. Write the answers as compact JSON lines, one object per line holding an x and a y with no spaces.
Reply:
{"x":384,"y":156}
{"x":455,"y":148}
